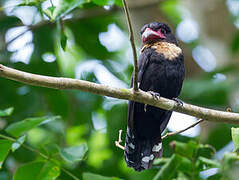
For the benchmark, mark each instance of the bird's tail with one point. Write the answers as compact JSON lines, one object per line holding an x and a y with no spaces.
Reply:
{"x":140,"y":153}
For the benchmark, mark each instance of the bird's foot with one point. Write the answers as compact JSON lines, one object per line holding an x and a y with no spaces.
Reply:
{"x":145,"y":107}
{"x":154,"y":94}
{"x":178,"y":101}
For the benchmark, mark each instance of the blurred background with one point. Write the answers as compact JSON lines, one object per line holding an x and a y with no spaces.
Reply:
{"x":89,"y":40}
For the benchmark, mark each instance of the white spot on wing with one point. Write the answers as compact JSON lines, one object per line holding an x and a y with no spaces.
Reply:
{"x":157,"y":148}
{"x":146,"y":159}
{"x":131,"y":145}
{"x":129,"y":133}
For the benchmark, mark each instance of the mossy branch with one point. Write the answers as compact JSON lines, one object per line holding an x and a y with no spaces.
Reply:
{"x":120,"y":93}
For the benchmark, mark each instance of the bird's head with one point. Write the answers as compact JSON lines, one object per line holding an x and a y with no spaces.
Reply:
{"x":156,"y":32}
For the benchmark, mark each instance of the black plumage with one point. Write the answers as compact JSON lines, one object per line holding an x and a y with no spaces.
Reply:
{"x":161,"y":70}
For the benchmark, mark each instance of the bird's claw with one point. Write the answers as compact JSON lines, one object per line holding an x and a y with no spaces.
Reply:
{"x":145,"y":107}
{"x":178,"y":101}
{"x":154,"y":94}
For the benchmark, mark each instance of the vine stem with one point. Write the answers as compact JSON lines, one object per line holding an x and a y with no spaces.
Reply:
{"x":131,"y":38}
{"x":117,"y":143}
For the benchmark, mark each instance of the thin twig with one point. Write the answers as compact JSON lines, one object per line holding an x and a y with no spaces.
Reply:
{"x":119,"y":93}
{"x":117,"y":143}
{"x":39,"y":153}
{"x":180,"y":131}
{"x":131,"y":38}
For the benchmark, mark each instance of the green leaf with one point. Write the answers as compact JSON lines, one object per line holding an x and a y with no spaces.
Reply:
{"x":185,"y":149}
{"x":49,"y":12}
{"x":6,"y":112}
{"x":118,"y":2}
{"x":91,"y":176}
{"x":74,"y":154}
{"x":63,"y":8}
{"x":101,"y":2}
{"x":40,"y":170}
{"x":167,"y":171}
{"x":215,"y":177}
{"x":31,"y":2}
{"x":205,"y":163}
{"x":18,"y":143}
{"x":161,"y":161}
{"x":170,"y":8}
{"x":63,"y":40}
{"x":5,"y":146}
{"x":235,"y":138}
{"x":186,"y":165}
{"x":229,"y":158}
{"x":18,"y":128}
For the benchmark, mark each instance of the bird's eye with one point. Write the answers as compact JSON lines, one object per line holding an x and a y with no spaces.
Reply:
{"x":163,"y":31}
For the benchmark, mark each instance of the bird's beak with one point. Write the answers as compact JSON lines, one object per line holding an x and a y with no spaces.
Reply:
{"x":150,"y":34}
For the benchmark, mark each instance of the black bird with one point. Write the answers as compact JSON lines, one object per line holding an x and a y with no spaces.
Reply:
{"x":161,"y":72}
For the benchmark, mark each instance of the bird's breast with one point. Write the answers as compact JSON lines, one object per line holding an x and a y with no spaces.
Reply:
{"x":170,"y":51}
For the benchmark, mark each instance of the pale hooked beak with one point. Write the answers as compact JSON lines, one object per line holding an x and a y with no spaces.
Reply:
{"x":150,"y":34}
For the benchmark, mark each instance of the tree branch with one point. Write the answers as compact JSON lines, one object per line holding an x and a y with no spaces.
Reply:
{"x":120,"y":93}
{"x":131,"y":38}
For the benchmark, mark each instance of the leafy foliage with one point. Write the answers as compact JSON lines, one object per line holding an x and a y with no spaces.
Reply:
{"x":38,"y":170}
{"x":6,"y":112}
{"x":18,"y":128}
{"x":5,"y":146}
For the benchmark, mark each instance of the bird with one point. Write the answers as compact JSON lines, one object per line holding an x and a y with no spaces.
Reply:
{"x":161,"y":73}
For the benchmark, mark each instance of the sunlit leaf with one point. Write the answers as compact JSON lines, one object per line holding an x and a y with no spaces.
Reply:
{"x":63,"y":40}
{"x":49,"y":11}
{"x":161,"y":161}
{"x":64,"y":8}
{"x":40,"y":170}
{"x":62,"y":34}
{"x":5,"y":146}
{"x":235,"y":138}
{"x":6,"y":112}
{"x":74,"y":154}
{"x":101,"y":2}
{"x":99,"y":151}
{"x":18,"y":143}
{"x":186,"y":165}
{"x":170,"y":8}
{"x":205,"y":163}
{"x":118,"y":2}
{"x":91,"y":176}
{"x":185,"y":149}
{"x":31,"y":2}
{"x":18,"y":128}
{"x":229,"y":158}
{"x":167,"y":171}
